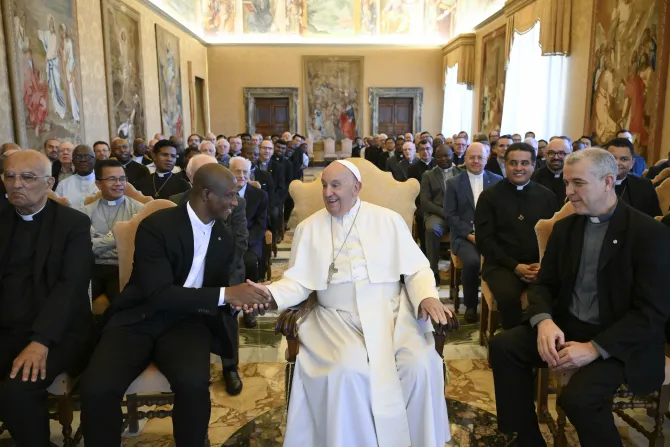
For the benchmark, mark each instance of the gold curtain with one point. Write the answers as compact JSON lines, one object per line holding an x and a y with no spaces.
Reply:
{"x":521,"y":16}
{"x":461,"y":51}
{"x":555,"y":23}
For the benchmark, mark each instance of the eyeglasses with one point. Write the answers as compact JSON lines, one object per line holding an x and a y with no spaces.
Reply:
{"x":241,"y":172}
{"x":83,"y":157}
{"x":114,"y":179}
{"x":27,"y":178}
{"x":561,"y":154}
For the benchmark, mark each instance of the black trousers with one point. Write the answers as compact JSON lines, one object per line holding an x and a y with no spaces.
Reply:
{"x":227,"y":327}
{"x":251,"y":265}
{"x":470,"y":259}
{"x":288,"y":208}
{"x":507,"y":289}
{"x":179,"y":349}
{"x":105,"y":279}
{"x":23,"y":406}
{"x":421,"y":231}
{"x":586,"y":399}
{"x":274,"y":213}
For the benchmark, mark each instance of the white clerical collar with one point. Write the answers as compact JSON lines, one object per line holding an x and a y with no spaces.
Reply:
{"x":521,"y":187}
{"x":242,"y":191}
{"x":617,"y":182}
{"x":448,"y":169}
{"x":480,"y":175}
{"x":138,"y":159}
{"x":605,"y":217}
{"x":352,"y":212}
{"x":556,"y":174}
{"x":426,"y":162}
{"x":88,"y":177}
{"x":30,"y":217}
{"x":196,"y":223}
{"x":163,"y":174}
{"x":113,"y":202}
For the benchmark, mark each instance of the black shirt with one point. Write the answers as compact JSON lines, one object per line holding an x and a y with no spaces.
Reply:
{"x":136,"y":172}
{"x":17,"y":308}
{"x":639,"y":193}
{"x":553,"y":183}
{"x":162,"y":187}
{"x":418,"y":168}
{"x":505,"y":220}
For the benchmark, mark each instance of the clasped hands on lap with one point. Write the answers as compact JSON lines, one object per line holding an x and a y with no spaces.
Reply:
{"x":559,"y":354}
{"x":527,"y":272}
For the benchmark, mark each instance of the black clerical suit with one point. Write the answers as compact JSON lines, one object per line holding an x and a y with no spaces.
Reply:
{"x":163,"y":185}
{"x":382,"y":159}
{"x":372,"y":154}
{"x":553,"y":182}
{"x":505,"y":220}
{"x":639,"y":193}
{"x":392,"y":163}
{"x":458,"y":161}
{"x":3,"y":197}
{"x":135,"y":172}
{"x":156,"y":318}
{"x":256,"y":220}
{"x":289,"y":177}
{"x":45,"y":268}
{"x":400,"y":171}
{"x":277,"y":172}
{"x":632,"y":308}
{"x":656,"y":169}
{"x":416,"y":171}
{"x":493,"y":166}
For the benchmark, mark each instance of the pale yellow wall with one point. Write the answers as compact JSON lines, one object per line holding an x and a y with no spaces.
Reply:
{"x":93,"y":68}
{"x":231,"y":68}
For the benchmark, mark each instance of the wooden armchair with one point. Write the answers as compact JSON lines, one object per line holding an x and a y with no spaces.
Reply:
{"x":656,"y":403}
{"x":665,"y":173}
{"x":379,"y":188}
{"x":663,"y":192}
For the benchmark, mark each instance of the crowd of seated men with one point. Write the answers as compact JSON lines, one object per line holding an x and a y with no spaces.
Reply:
{"x":59,"y":206}
{"x":594,"y":301}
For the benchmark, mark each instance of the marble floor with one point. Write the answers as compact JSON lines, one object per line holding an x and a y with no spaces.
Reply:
{"x":257,"y":417}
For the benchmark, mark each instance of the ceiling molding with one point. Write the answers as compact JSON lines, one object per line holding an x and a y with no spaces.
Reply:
{"x":513,"y":6}
{"x":459,"y":41}
{"x":495,"y":16}
{"x":170,"y":19}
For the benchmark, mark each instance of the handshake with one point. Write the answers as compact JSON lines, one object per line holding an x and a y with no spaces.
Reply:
{"x":250,"y":297}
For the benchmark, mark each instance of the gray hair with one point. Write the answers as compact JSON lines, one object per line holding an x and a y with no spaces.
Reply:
{"x":531,"y":141}
{"x":196,"y":162}
{"x":246,"y":162}
{"x":205,"y":144}
{"x":602,"y":162}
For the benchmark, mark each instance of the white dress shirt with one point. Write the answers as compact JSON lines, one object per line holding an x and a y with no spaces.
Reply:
{"x":350,"y":263}
{"x":201,"y":235}
{"x":76,"y":188}
{"x":476,"y":184}
{"x":242,"y":191}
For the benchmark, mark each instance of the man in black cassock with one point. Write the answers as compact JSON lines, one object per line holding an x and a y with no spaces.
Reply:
{"x":163,"y":183}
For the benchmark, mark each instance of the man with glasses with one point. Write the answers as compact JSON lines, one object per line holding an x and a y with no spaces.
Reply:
{"x":134,"y":171}
{"x":551,"y":175}
{"x":46,"y":318}
{"x":82,"y":184}
{"x":112,"y":207}
{"x":493,"y":137}
{"x":459,"y":146}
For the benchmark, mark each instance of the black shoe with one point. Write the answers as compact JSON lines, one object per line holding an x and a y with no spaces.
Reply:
{"x":249,"y":320}
{"x":471,"y":315}
{"x":232,"y":381}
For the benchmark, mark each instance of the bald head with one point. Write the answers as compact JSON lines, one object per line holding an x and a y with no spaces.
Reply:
{"x":196,"y":162}
{"x":27,"y":180}
{"x":9,"y":146}
{"x":555,"y":153}
{"x":475,"y":157}
{"x":214,"y":177}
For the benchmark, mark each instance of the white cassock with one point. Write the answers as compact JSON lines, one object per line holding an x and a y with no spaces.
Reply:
{"x":367,"y":372}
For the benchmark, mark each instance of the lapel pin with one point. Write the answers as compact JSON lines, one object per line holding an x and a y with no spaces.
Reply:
{"x":220,"y":238}
{"x":615,"y":241}
{"x":520,"y":216}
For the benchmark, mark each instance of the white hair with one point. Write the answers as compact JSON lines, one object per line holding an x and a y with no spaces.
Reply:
{"x":533,"y":142}
{"x":602,"y":162}
{"x":382,"y":136}
{"x":206,"y":143}
{"x":197,"y":161}
{"x":246,"y":162}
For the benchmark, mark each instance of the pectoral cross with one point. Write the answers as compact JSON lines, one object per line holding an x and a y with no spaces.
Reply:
{"x":331,"y":271}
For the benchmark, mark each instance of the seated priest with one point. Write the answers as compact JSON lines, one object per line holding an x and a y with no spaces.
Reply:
{"x":597,"y":310}
{"x":551,"y":174}
{"x":354,"y":384}
{"x":112,"y":207}
{"x":505,"y":220}
{"x":45,"y":317}
{"x":637,"y":192}
{"x":256,"y":213}
{"x":177,"y":290}
{"x":163,"y":183}
{"x":432,"y":203}
{"x":82,"y":184}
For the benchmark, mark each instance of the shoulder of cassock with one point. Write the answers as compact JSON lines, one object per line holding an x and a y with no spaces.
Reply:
{"x":388,"y":246}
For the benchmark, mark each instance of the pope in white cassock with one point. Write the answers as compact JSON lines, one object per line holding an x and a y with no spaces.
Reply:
{"x":367,"y":373}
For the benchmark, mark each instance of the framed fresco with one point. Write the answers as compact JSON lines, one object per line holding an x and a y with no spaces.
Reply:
{"x":44,"y":70}
{"x":492,"y":83}
{"x":169,"y":83}
{"x":333,"y":92}
{"x":123,"y":63}
{"x":627,"y":72}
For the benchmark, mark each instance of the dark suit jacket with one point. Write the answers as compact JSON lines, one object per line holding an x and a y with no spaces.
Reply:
{"x":642,"y":195}
{"x":400,"y":171}
{"x":493,"y":166}
{"x":655,"y":170}
{"x":136,"y":172}
{"x":163,"y":259}
{"x":277,"y":171}
{"x":267,"y":185}
{"x":372,"y":154}
{"x":256,"y":218}
{"x":633,"y":284}
{"x":3,"y":197}
{"x":61,"y":273}
{"x":432,"y":192}
{"x":55,"y":170}
{"x":459,"y":205}
{"x":392,"y":164}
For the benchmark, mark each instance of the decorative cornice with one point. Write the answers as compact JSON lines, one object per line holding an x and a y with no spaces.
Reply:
{"x":459,"y":41}
{"x":495,"y":16}
{"x":513,"y":6}
{"x":173,"y":21}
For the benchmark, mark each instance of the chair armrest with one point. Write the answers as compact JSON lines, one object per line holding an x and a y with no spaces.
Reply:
{"x":452,"y":325}
{"x":289,"y":319}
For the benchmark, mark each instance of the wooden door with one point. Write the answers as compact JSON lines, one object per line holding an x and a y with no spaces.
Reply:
{"x":396,"y":116}
{"x":271,"y":116}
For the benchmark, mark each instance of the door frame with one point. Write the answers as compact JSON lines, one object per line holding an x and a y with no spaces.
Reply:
{"x":374,"y":93}
{"x":250,"y":95}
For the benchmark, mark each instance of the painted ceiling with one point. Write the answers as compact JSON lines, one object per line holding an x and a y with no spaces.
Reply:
{"x":405,"y":22}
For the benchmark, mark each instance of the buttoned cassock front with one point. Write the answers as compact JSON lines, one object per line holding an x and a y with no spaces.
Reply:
{"x":367,"y":372}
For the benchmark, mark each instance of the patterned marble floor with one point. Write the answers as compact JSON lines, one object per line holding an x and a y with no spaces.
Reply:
{"x":257,"y":417}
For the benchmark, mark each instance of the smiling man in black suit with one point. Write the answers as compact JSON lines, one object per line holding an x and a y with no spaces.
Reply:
{"x":178,"y":287}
